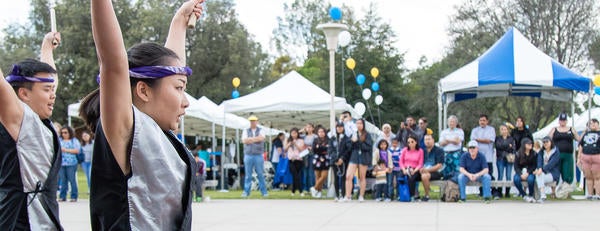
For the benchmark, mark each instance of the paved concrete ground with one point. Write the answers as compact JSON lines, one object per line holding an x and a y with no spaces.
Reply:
{"x":304,"y":215}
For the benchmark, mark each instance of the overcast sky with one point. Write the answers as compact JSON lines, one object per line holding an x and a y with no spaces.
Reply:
{"x":420,"y":25}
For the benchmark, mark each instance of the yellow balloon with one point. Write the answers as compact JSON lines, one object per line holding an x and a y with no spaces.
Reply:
{"x":374,"y":72}
{"x":236,"y":82}
{"x":350,"y":63}
{"x":597,"y":80}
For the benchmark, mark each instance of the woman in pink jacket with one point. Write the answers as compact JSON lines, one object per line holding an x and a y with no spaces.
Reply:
{"x":411,"y":160}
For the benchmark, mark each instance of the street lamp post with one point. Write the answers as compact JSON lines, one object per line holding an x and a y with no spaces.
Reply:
{"x":332,"y":30}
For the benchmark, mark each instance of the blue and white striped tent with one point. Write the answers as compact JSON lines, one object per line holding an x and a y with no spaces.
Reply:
{"x":511,"y":67}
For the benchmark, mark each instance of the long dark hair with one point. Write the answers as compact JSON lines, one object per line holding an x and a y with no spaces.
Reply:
{"x":83,"y":142}
{"x":362,"y":134}
{"x":411,"y":136}
{"x":70,"y":131}
{"x":291,"y":139}
{"x":525,"y":158}
{"x":143,"y":54}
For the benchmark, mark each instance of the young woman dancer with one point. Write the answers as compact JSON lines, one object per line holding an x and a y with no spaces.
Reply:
{"x":138,"y":162}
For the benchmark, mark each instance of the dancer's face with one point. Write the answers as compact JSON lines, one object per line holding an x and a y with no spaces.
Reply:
{"x":41,"y":97}
{"x":166,"y":100}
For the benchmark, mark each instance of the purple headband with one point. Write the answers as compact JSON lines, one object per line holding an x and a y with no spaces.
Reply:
{"x":155,"y":72}
{"x":14,"y":77}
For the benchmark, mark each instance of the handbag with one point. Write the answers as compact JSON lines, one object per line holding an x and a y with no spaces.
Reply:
{"x":80,"y":156}
{"x":403,"y":189}
{"x":510,"y":157}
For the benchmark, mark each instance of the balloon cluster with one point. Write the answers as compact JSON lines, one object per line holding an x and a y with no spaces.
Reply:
{"x":366,"y":92}
{"x":236,"y":83}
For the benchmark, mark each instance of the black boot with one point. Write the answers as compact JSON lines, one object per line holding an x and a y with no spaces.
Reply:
{"x":507,"y":192}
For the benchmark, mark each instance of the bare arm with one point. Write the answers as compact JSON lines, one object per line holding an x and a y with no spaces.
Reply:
{"x":46,"y":53}
{"x":177,"y":31}
{"x":116,"y":112}
{"x":575,"y":134}
{"x":11,"y":115}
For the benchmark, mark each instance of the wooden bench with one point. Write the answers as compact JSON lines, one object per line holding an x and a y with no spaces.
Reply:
{"x":494,"y":184}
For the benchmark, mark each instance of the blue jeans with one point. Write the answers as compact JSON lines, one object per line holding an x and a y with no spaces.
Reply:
{"x":504,"y":168}
{"x":530,"y":184}
{"x":485,"y":181}
{"x":308,"y":174}
{"x":256,"y":163}
{"x":67,"y":176}
{"x":87,"y":166}
{"x":391,"y":179}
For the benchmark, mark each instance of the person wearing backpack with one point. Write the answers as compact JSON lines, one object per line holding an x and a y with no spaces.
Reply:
{"x":474,"y":167}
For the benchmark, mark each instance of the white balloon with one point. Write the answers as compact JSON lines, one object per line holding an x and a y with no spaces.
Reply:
{"x":378,"y":99}
{"x":366,"y":93}
{"x":360,"y":108}
{"x":344,"y":38}
{"x":596,"y":99}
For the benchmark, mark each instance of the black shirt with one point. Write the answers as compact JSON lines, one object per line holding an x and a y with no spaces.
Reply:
{"x":563,"y":140}
{"x":590,"y":142}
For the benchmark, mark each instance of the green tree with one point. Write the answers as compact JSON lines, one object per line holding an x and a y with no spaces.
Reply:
{"x":371,"y":46}
{"x":561,"y":29}
{"x":219,"y":48}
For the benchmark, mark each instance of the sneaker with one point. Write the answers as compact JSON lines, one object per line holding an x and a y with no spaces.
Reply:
{"x":345,"y":199}
{"x":526,"y":198}
{"x":302,"y":194}
{"x":265,"y":195}
{"x":378,"y":199}
{"x":318,"y":195}
{"x":387,"y":200}
{"x":486,"y":200}
{"x":313,"y":192}
{"x":462,"y":200}
{"x":73,"y":200}
{"x":198,"y":199}
{"x":496,"y":198}
{"x":531,"y":200}
{"x":207,"y":199}
{"x":425,"y":199}
{"x":361,"y":199}
{"x":244,"y":195}
{"x":596,"y":197}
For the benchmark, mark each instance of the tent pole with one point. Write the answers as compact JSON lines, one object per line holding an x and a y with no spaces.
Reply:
{"x":439,"y":104}
{"x":213,"y":149}
{"x":222,"y":170}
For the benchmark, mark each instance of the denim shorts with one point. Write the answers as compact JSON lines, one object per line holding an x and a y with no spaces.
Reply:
{"x":362,"y":159}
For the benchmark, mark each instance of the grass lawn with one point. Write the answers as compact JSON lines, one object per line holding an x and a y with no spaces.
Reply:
{"x":275,"y":195}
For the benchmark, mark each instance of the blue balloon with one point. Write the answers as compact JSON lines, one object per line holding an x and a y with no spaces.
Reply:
{"x":235,"y":94}
{"x":375,"y":86}
{"x":335,"y":13}
{"x":597,"y":90}
{"x":360,"y":79}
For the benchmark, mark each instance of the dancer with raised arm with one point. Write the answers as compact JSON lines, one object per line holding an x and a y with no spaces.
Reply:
{"x":29,"y":147}
{"x":141,"y":173}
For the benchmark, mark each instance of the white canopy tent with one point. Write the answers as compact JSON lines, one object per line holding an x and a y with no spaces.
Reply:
{"x":511,"y":67}
{"x":291,"y":101}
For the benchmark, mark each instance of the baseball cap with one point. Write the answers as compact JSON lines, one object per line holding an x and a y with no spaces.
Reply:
{"x":546,"y":138}
{"x":472,"y":143}
{"x":253,"y":118}
{"x":562,"y":116}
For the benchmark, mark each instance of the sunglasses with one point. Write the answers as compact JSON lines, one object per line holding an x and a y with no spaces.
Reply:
{"x":472,"y":147}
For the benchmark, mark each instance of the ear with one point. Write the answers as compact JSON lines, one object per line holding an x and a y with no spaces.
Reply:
{"x":143,"y":91}
{"x":24,"y":94}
